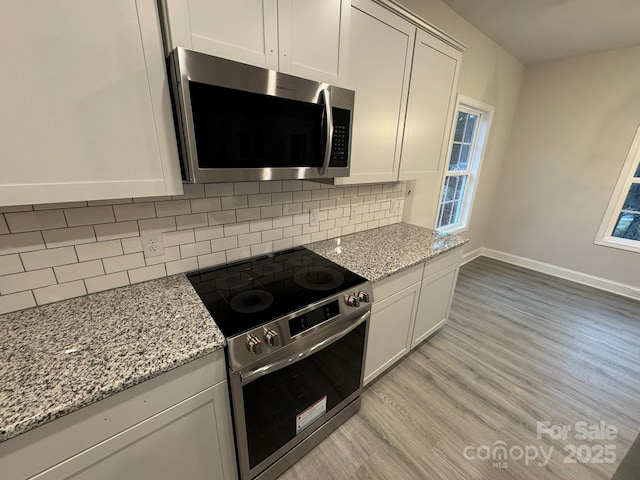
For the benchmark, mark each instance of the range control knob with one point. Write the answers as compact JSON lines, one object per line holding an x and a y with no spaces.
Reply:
{"x":363,"y":297}
{"x":254,"y":345}
{"x":352,"y":300}
{"x":271,"y":337}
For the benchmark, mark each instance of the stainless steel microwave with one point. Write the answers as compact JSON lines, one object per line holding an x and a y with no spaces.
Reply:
{"x":238,"y":122}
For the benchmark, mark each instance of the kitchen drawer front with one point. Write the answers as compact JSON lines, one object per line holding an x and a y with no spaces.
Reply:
{"x":442,"y":262}
{"x":397,"y":282}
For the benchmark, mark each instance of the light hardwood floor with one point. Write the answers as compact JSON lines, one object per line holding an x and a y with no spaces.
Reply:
{"x":520,"y":347}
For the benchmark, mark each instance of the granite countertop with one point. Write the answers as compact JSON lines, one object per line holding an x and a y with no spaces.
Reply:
{"x":378,"y":253}
{"x":58,"y":358}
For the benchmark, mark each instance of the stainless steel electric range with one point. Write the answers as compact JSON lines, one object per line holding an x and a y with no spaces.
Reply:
{"x":296,"y":326}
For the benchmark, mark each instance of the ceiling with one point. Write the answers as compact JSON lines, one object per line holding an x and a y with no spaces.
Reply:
{"x":536,"y":31}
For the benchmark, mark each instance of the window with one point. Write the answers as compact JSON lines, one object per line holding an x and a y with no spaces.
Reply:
{"x":620,"y":227}
{"x":468,"y":137}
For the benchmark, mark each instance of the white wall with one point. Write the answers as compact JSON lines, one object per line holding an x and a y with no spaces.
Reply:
{"x":489,"y":74}
{"x":575,"y":122}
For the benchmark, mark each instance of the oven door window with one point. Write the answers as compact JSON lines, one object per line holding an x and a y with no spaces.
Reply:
{"x":273,"y":403}
{"x":236,"y":129}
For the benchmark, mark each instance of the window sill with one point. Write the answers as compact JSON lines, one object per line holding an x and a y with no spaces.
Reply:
{"x":621,"y":244}
{"x":453,"y":230}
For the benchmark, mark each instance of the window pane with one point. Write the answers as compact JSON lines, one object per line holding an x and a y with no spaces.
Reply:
{"x":455,"y":212}
{"x":463,"y":162}
{"x":455,"y":154}
{"x":628,"y":226}
{"x":637,"y":175}
{"x":445,"y":214}
{"x":462,"y":181}
{"x":460,"y":124}
{"x":449,"y":190}
{"x":633,"y":199}
{"x":471,"y":127}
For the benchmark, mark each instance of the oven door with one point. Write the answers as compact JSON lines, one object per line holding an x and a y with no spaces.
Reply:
{"x":281,"y":401}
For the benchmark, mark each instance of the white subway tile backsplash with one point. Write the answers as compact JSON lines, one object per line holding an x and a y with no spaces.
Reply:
{"x":170,"y":254}
{"x":246,"y":188}
{"x":89,"y":215}
{"x":135,"y":211}
{"x":92,"y":251}
{"x":113,"y":231}
{"x":204,"y":205}
{"x":209,"y":233}
{"x":225,"y":243}
{"x":78,"y":271}
{"x":259,"y":200}
{"x":195,"y":249}
{"x":246,"y":214}
{"x":236,"y":229}
{"x":220,"y":218}
{"x":178,"y":238}
{"x":20,"y":242}
{"x":238,"y":254}
{"x":164,"y":224}
{"x":211,"y":259}
{"x":218,"y":189}
{"x":48,"y":258}
{"x":131,"y":245}
{"x":106,"y":282}
{"x":147,"y":273}
{"x":173,"y":207}
{"x":180,"y":266}
{"x":16,"y":301}
{"x":195,"y":220}
{"x":62,"y":291}
{"x":270,"y":212}
{"x":10,"y":264}
{"x":233,"y":221}
{"x":19,"y":282}
{"x":35,"y":221}
{"x":123,"y":262}
{"x":63,"y":237}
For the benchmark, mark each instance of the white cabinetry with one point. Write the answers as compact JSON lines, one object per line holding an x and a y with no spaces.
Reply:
{"x":166,"y":428}
{"x":405,"y":75}
{"x":392,"y":316}
{"x":436,"y":294}
{"x":85,"y":102}
{"x":306,"y":38}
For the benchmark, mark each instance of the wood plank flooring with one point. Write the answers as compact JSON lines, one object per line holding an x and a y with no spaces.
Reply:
{"x":520,"y":347}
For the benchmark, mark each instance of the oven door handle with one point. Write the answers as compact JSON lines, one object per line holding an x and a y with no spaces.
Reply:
{"x":326,"y":95}
{"x":280,"y":364}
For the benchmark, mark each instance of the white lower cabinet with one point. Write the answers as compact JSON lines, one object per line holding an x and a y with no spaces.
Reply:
{"x":409,"y":307}
{"x":191,"y":438}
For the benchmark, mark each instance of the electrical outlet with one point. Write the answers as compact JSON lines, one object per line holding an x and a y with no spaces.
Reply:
{"x":152,"y":244}
{"x":314,"y":221}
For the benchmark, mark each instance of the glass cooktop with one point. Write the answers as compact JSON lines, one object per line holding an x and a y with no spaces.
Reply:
{"x":246,"y":294}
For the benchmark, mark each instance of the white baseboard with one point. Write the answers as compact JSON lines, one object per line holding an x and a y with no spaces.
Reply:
{"x":561,"y":272}
{"x":472,"y":255}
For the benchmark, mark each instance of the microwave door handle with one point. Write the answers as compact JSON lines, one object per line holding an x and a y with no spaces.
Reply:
{"x":326,"y":95}
{"x":280,"y":364}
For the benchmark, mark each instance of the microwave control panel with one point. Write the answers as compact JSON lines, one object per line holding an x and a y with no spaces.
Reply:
{"x":340,"y":149}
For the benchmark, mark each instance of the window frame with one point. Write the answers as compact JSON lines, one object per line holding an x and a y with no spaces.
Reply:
{"x":476,"y":157}
{"x":626,"y":178}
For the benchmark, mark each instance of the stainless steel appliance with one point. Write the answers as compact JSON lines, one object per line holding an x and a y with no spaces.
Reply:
{"x":237,"y":122}
{"x":296,"y":326}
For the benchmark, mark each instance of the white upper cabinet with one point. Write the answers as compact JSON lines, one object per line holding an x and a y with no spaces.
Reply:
{"x":85,"y":102}
{"x":379,"y":65}
{"x":434,"y":75}
{"x":405,"y":80}
{"x":306,"y":38}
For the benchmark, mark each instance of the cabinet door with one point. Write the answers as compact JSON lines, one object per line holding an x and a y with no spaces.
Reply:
{"x":85,"y":102}
{"x":435,"y":301}
{"x":434,"y":76}
{"x":244,"y":31}
{"x":380,"y":47}
{"x":184,"y":441}
{"x":314,"y":38}
{"x":390,"y":331}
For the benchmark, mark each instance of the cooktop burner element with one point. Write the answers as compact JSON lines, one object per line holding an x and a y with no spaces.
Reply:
{"x":318,"y":278}
{"x":251,"y":301}
{"x":244,"y":295}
